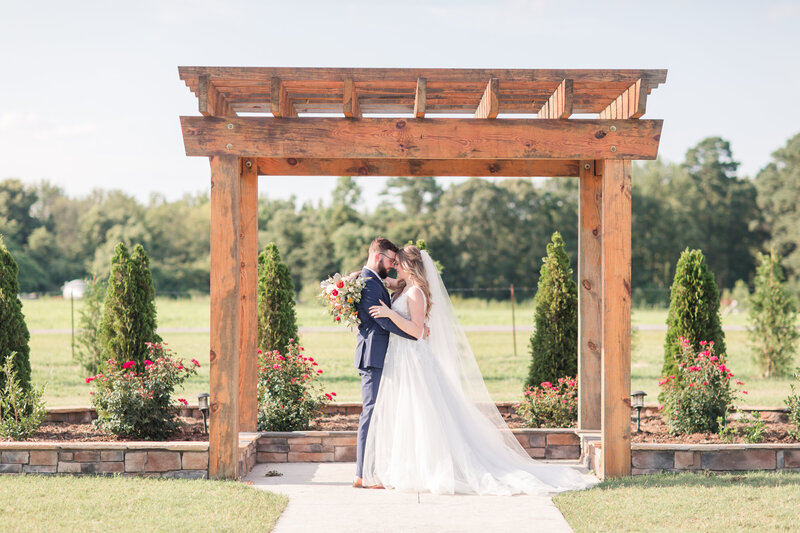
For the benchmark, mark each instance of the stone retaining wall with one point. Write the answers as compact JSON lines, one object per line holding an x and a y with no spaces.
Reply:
{"x":340,"y":446}
{"x":654,"y":458}
{"x":162,"y":459}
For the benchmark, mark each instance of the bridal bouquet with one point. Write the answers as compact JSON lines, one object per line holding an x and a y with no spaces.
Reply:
{"x":340,"y":295}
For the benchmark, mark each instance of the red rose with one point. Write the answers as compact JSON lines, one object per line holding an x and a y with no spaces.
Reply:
{"x":129,"y":364}
{"x":335,"y":292}
{"x":89,"y":380}
{"x":340,"y":284}
{"x":147,"y":362}
{"x":338,"y":318}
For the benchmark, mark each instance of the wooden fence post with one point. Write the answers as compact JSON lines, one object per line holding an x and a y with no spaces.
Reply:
{"x":248,"y":324}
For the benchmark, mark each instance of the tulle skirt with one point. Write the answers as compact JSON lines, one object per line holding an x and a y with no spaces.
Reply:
{"x":425,"y":435}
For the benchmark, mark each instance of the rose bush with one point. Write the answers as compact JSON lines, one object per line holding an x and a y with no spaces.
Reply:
{"x":549,"y":405}
{"x":139,"y":405}
{"x":699,"y":395}
{"x":289,"y":395}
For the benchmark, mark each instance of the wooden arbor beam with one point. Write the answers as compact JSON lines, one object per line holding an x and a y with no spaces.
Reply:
{"x":350,"y":104}
{"x":559,"y":105}
{"x":420,"y":98}
{"x":417,"y":167}
{"x":279,"y":101}
{"x":590,"y":333}
{"x":630,"y":104}
{"x":489,"y":105}
{"x":421,"y":139}
{"x":616,"y":318}
{"x":210,"y":102}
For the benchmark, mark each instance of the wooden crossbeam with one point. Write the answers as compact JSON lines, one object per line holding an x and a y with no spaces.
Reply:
{"x":630,"y":104}
{"x":489,"y":104}
{"x":417,"y":167}
{"x":420,"y":97}
{"x":351,"y":107}
{"x":455,"y":138}
{"x":210,"y":102}
{"x":279,"y":102}
{"x":559,"y":105}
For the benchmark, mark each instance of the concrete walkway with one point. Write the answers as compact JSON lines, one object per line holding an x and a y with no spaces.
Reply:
{"x":321,"y":498}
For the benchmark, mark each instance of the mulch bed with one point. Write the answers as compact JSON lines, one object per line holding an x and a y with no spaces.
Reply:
{"x":653,"y":430}
{"x":192,"y":430}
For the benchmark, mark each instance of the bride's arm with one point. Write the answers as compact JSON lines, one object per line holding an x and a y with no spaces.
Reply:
{"x":416,"y":308}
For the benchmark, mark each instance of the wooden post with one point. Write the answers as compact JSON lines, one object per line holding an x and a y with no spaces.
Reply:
{"x":616,"y":302}
{"x":225,"y":317}
{"x":248,"y":325}
{"x":589,"y":297}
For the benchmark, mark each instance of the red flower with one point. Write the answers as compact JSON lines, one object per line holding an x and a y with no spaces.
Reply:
{"x":147,"y":362}
{"x":546,"y":384}
{"x":333,"y":394}
{"x":129,"y":364}
{"x":276,"y":366}
{"x":184,"y":402}
{"x":334,"y":292}
{"x":319,"y":371}
{"x":338,"y":318}
{"x":314,"y":364}
{"x":744,"y":392}
{"x":737,"y":382}
{"x":340,"y":284}
{"x":328,"y":396}
{"x":90,"y":379}
{"x":195,"y":363}
{"x":311,"y":359}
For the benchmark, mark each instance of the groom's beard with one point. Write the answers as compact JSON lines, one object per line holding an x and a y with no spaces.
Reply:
{"x":382,"y":272}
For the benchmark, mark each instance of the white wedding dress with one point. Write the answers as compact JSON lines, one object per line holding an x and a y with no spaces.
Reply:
{"x":434,"y":427}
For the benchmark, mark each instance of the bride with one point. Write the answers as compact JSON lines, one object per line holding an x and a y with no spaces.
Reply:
{"x":434,"y":426}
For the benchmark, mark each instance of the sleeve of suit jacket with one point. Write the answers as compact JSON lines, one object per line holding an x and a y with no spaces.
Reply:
{"x":371,"y":296}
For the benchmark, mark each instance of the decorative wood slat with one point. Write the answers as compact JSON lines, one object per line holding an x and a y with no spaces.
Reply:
{"x":410,"y":139}
{"x":223,"y":433}
{"x":616,"y":342}
{"x":417,"y":167}
{"x":489,"y":105}
{"x":248,"y":283}
{"x":280,"y":104}
{"x":210,"y":102}
{"x":630,"y":104}
{"x":351,"y":107}
{"x":589,"y":297}
{"x":559,"y":105}
{"x":420,"y":98}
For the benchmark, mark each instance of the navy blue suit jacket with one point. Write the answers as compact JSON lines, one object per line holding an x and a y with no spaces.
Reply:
{"x":373,"y":333}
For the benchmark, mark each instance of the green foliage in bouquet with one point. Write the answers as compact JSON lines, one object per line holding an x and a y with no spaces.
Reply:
{"x":341,"y":296}
{"x":277,"y":318}
{"x":554,"y":344}
{"x":129,"y":314}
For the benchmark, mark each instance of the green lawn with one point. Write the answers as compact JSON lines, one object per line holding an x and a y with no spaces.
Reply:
{"x":756,"y":502}
{"x":39,"y":503}
{"x":504,"y":372}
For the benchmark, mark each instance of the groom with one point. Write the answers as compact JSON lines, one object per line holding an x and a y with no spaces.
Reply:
{"x":373,"y":337}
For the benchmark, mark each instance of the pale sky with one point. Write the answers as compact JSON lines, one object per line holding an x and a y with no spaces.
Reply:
{"x":90,"y":95}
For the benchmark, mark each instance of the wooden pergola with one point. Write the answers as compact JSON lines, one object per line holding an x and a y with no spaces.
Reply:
{"x":316,"y":121}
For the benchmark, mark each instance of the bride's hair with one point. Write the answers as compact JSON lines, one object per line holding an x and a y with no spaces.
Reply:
{"x":411,"y":259}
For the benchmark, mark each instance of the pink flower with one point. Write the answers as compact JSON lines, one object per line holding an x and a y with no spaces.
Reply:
{"x":691,"y":384}
{"x":333,"y":394}
{"x":276,"y":366}
{"x":196,"y":363}
{"x":90,"y":379}
{"x":702,"y":343}
{"x":314,"y":364}
{"x":546,"y":385}
{"x":714,"y":358}
{"x":744,"y":392}
{"x":739,"y":382}
{"x":328,"y":396}
{"x":705,"y":383}
{"x":183,"y":401}
{"x":311,"y":359}
{"x":319,"y":371}
{"x":282,"y":358}
{"x":259,"y":352}
{"x":147,"y":362}
{"x":572,"y":383}
{"x":129,"y":364}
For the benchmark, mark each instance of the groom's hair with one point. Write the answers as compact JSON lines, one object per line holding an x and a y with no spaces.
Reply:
{"x":381,"y":245}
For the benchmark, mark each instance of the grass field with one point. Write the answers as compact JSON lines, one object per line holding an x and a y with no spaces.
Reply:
{"x":504,"y":372}
{"x":70,"y":503}
{"x":758,"y":501}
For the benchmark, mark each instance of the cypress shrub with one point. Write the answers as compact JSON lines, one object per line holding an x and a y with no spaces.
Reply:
{"x":693,"y":309}
{"x":554,"y":344}
{"x":277,"y":320}
{"x":773,"y":318}
{"x":129,"y":314}
{"x":14,"y":335}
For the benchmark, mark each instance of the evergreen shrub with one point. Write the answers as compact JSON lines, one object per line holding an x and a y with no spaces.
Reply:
{"x":554,"y":344}
{"x":277,"y":319}
{"x":14,"y":335}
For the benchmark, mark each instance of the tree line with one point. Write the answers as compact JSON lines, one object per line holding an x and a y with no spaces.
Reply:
{"x":487,"y":234}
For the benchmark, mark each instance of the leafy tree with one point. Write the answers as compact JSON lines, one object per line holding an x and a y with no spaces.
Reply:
{"x":554,"y":344}
{"x":15,"y":210}
{"x":417,"y":194}
{"x":277,"y":319}
{"x":693,"y":309}
{"x":89,"y":353}
{"x":777,"y":186}
{"x":129,"y":314}
{"x":773,"y":319}
{"x":14,"y":336}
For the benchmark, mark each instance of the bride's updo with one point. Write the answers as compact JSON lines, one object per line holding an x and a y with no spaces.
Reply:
{"x":411,"y":258}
